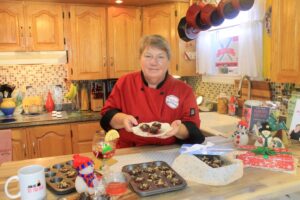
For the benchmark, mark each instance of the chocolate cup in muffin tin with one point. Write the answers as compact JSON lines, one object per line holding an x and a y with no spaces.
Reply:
{"x":152,"y":178}
{"x":57,"y":178}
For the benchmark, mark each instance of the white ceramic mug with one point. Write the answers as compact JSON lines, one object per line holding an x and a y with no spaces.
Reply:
{"x":32,"y":183}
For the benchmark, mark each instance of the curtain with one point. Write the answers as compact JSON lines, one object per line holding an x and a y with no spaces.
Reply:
{"x":248,"y":26}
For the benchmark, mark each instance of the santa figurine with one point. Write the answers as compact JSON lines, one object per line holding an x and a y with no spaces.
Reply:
{"x":86,"y":178}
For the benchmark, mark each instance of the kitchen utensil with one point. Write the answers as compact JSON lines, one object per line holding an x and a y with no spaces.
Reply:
{"x":186,"y":32}
{"x":243,"y":4}
{"x":192,"y":13}
{"x":227,"y":10}
{"x":210,"y":15}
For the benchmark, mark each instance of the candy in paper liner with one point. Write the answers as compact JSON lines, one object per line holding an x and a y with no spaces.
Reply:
{"x":193,"y":169}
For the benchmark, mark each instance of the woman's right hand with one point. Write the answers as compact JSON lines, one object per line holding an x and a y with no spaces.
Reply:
{"x":122,"y":120}
{"x":129,"y":121}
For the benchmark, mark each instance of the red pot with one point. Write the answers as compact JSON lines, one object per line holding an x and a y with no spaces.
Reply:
{"x":210,"y":15}
{"x":227,"y":10}
{"x":243,"y":4}
{"x":192,"y":13}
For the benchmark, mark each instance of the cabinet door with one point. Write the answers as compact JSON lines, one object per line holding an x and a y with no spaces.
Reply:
{"x":82,"y":136}
{"x":160,"y":19}
{"x":88,"y":42}
{"x":124,"y":32}
{"x":44,"y":26}
{"x":19,"y":144}
{"x":12,"y":35}
{"x":186,"y":57}
{"x":285,"y":41}
{"x":51,"y":140}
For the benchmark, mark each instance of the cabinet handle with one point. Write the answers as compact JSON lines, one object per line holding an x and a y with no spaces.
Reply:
{"x":29,"y":31}
{"x":24,"y":150}
{"x":33,"y":147}
{"x":23,"y":39}
{"x":104,"y":61}
{"x":111,"y":61}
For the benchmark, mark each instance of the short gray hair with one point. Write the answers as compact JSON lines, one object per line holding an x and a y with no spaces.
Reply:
{"x":155,"y":41}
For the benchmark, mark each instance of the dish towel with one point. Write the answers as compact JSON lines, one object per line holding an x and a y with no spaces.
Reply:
{"x":5,"y":146}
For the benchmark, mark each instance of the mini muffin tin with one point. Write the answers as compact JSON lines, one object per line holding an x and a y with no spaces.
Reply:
{"x":152,"y":178}
{"x":60,"y":178}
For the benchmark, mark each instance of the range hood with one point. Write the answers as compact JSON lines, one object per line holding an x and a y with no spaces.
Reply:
{"x":25,"y":58}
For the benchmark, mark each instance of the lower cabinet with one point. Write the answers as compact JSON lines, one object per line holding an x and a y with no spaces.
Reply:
{"x":82,"y":136}
{"x":53,"y":140}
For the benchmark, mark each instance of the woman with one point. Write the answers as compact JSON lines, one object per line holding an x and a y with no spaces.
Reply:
{"x":152,"y":95}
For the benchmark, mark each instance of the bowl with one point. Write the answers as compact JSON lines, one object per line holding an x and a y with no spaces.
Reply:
{"x":116,"y":183}
{"x":8,"y":111}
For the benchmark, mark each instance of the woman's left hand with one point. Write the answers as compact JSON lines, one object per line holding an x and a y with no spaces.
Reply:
{"x":175,"y":129}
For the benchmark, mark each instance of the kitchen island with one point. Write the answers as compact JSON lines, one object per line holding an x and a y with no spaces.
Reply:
{"x":255,"y":183}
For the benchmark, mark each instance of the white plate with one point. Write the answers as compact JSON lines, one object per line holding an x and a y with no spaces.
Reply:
{"x":165,"y":127}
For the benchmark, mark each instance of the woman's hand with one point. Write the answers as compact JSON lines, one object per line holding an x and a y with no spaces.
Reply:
{"x":122,"y":120}
{"x":129,"y":121}
{"x":175,"y":125}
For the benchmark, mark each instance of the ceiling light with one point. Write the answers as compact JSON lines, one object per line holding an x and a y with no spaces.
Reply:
{"x":119,"y":1}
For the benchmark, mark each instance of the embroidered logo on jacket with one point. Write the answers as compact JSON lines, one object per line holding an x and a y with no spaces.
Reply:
{"x":172,"y":101}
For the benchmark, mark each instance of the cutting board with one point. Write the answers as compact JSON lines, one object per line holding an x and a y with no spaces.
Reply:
{"x":260,"y":90}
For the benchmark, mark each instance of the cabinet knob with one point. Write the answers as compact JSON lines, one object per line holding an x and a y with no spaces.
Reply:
{"x":104,"y":61}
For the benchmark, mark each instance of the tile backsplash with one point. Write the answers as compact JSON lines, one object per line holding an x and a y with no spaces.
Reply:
{"x":37,"y":79}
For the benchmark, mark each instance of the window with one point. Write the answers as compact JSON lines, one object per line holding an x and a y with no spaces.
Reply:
{"x":235,"y":47}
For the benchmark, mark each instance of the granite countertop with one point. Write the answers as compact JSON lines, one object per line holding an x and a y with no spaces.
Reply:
{"x":47,"y":119}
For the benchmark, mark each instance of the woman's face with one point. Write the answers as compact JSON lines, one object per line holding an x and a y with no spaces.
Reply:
{"x":154,"y":63}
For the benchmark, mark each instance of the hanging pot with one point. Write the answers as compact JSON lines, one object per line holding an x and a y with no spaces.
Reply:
{"x":243,"y":4}
{"x":192,"y":13}
{"x":186,"y":33}
{"x":210,"y":15}
{"x":227,"y":10}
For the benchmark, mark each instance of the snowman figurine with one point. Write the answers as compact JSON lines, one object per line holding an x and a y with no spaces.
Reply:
{"x":241,"y":135}
{"x":265,"y":137}
{"x":86,"y":178}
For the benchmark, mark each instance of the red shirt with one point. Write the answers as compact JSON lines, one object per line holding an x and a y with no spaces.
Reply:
{"x":174,"y":100}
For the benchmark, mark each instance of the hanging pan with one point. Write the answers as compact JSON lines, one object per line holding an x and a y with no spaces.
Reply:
{"x":186,"y":33}
{"x":227,"y":10}
{"x":210,"y":15}
{"x":243,"y":4}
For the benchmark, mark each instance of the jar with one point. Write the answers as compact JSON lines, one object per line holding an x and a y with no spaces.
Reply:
{"x":222,"y":106}
{"x":291,"y":106}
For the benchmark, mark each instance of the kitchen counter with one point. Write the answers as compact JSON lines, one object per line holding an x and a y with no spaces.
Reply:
{"x":47,"y":119}
{"x":255,"y":183}
{"x":213,"y":123}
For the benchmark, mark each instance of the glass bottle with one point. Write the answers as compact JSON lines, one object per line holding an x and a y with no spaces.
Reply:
{"x":291,"y":106}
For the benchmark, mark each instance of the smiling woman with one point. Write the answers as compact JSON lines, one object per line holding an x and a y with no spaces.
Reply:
{"x":152,"y":95}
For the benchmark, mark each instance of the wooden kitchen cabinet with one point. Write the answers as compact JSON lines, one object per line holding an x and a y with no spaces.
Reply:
{"x":285,"y":41}
{"x":104,"y":41}
{"x":88,"y":42}
{"x":20,"y":150}
{"x":31,"y":26}
{"x":82,"y":136}
{"x":163,"y":19}
{"x":124,"y":33}
{"x":51,"y":140}
{"x":41,"y":141}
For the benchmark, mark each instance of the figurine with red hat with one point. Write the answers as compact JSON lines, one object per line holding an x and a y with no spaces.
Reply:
{"x":241,"y":135}
{"x":86,"y":179}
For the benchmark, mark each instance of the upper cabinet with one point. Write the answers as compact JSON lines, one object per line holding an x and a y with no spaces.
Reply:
{"x":87,"y":26}
{"x":103,"y":41}
{"x":124,"y":32}
{"x":285,"y":41}
{"x":163,"y":20}
{"x":31,"y":26}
